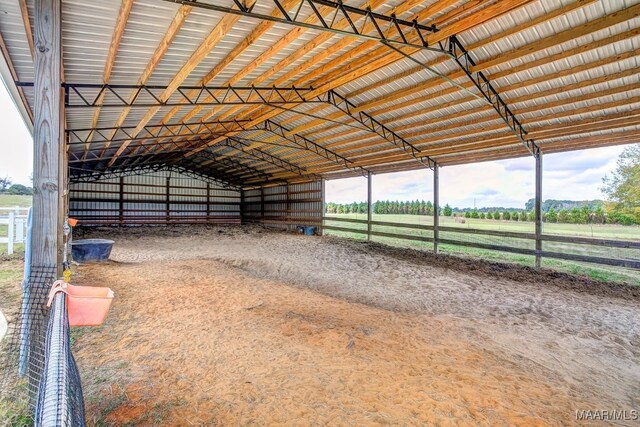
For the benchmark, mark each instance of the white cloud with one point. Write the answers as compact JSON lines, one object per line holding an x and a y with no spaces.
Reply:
{"x":510,"y":183}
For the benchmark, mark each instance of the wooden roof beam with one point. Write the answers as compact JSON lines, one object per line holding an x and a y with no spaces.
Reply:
{"x":118,"y":32}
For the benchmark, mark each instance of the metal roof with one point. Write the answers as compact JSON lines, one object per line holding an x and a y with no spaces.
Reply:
{"x":568,"y":70}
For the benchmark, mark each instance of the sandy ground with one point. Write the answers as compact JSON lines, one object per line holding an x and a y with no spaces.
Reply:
{"x":229,"y":326}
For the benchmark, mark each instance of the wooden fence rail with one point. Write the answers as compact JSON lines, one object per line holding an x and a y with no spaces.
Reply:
{"x":590,"y":250}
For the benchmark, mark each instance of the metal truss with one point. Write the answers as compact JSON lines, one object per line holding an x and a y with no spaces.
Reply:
{"x":309,"y":145}
{"x":102,"y":95}
{"x":84,"y":175}
{"x":148,"y":132}
{"x":489,"y":93}
{"x":335,"y":17}
{"x":266,"y":157}
{"x":372,"y":124}
{"x":208,"y":158}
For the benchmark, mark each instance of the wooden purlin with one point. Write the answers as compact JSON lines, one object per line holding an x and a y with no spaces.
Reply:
{"x":118,"y":32}
{"x":161,"y":49}
{"x":313,"y":44}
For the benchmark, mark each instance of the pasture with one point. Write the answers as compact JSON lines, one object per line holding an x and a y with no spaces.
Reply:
{"x":601,"y":231}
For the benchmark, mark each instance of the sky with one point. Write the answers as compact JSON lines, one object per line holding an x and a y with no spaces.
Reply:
{"x":573,"y":175}
{"x":16,"y":144}
{"x":509,"y":183}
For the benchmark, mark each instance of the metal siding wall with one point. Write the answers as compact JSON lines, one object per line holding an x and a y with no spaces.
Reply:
{"x":300,"y":205}
{"x":144,"y":201}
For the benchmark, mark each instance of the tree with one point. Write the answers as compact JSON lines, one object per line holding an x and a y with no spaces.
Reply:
{"x":5,"y":183}
{"x":447,"y":210}
{"x":20,"y":189}
{"x":515,"y":216}
{"x":482,"y":215}
{"x":623,"y":186}
{"x":563,"y":216}
{"x":467,"y":214}
{"x":506,"y":215}
{"x":523,"y":216}
{"x":474,"y":214}
{"x":552,"y":216}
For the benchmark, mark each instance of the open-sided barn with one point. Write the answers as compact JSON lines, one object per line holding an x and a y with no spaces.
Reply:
{"x":236,"y":112}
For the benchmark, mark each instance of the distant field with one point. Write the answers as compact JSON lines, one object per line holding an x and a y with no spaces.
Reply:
{"x":601,"y":272}
{"x":613,"y":231}
{"x":10,"y":201}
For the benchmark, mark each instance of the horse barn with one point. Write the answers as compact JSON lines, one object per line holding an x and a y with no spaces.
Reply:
{"x":199,"y":136}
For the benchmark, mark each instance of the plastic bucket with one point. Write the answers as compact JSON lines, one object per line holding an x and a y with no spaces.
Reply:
{"x":309,"y":230}
{"x":91,"y":250}
{"x":86,"y":305}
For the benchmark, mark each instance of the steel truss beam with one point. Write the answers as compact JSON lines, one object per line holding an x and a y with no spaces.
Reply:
{"x":309,"y":145}
{"x":490,"y":94}
{"x":385,"y":28}
{"x":373,"y":125}
{"x":149,"y":132}
{"x":208,"y":158}
{"x":89,"y":95}
{"x":265,"y":157}
{"x":83,"y":175}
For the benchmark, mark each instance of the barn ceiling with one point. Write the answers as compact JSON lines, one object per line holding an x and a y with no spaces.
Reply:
{"x":279,"y":90}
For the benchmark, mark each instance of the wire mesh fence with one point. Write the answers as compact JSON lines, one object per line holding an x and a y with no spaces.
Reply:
{"x":38,"y":370}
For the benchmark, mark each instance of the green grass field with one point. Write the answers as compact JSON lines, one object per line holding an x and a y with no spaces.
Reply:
{"x":612,"y":231}
{"x":10,"y":201}
{"x":596,"y":271}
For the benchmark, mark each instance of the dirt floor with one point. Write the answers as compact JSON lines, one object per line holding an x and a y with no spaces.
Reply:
{"x":229,"y":326}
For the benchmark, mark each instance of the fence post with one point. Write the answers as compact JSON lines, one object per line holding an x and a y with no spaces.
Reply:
{"x":11,"y":226}
{"x":436,"y":207}
{"x":538,"y":207}
{"x":369,"y":206}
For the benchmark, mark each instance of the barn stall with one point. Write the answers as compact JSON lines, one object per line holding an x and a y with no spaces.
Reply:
{"x":218,"y":124}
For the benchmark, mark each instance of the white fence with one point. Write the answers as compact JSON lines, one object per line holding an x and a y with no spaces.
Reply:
{"x":16,"y":221}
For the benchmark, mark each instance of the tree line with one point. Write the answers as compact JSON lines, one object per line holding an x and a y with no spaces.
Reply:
{"x":584,"y":215}
{"x":8,"y":187}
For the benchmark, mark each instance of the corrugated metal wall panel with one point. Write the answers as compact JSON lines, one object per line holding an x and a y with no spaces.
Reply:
{"x":154,"y":198}
{"x":284,"y":206}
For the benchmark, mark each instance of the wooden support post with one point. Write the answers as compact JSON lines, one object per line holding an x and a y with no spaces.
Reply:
{"x":288,"y":214}
{"x":46,"y":139}
{"x":538,"y":208}
{"x":261,"y":205}
{"x":62,"y":184}
{"x":369,"y":206}
{"x":121,"y":202}
{"x":209,"y":201}
{"x":324,"y":206}
{"x":168,"y":200}
{"x":436,"y":207}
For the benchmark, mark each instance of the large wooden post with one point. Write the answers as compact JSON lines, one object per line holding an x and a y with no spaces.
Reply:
{"x":436,"y":207}
{"x":369,"y":206}
{"x":168,"y":200}
{"x":121,"y":201}
{"x":538,"y":208}
{"x":324,"y":206}
{"x":46,"y":140}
